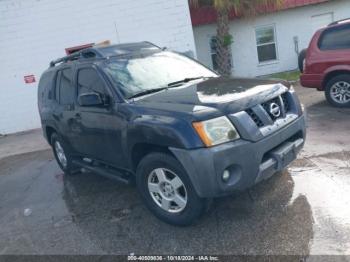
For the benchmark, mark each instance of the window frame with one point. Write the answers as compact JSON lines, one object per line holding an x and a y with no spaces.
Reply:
{"x":331,"y":29}
{"x":215,"y":53}
{"x":102,"y":76}
{"x":211,"y":39}
{"x":275,"y":42}
{"x":56,"y":87}
{"x":57,"y":84}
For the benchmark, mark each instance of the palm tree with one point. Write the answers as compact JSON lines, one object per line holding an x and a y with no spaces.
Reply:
{"x":223,"y":36}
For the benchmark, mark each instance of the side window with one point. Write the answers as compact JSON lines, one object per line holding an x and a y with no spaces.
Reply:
{"x":266,"y":43}
{"x":335,"y":38}
{"x":89,"y":81}
{"x":66,"y":88}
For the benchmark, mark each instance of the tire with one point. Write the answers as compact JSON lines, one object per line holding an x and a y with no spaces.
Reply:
{"x":338,"y":88}
{"x":57,"y":145}
{"x":157,"y":165}
{"x":301,"y":59}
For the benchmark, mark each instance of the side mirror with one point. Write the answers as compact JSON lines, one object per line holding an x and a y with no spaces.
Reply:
{"x":90,"y":99}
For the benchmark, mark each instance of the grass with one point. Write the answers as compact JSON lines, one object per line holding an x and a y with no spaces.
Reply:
{"x":290,"y":75}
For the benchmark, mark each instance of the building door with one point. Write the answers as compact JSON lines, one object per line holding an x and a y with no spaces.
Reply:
{"x":321,"y":20}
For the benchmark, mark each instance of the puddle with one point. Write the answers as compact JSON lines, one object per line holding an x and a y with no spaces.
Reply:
{"x":325,"y":181}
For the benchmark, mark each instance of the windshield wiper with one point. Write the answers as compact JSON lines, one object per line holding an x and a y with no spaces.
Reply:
{"x":146,"y":92}
{"x":186,"y":80}
{"x":172,"y":84}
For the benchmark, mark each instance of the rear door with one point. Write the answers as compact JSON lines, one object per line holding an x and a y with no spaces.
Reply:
{"x":63,"y":112}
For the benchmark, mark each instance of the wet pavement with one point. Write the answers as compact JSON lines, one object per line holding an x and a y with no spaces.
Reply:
{"x":303,"y":210}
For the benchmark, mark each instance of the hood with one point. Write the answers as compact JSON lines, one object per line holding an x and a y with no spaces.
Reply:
{"x":228,"y":95}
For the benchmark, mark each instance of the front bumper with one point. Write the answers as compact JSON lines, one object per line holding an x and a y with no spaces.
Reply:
{"x":248,"y":162}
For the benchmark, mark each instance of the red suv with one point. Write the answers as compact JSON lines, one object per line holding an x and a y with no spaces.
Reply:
{"x":327,"y":63}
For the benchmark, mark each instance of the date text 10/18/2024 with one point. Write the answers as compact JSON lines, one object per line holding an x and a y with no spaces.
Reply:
{"x":172,"y":258}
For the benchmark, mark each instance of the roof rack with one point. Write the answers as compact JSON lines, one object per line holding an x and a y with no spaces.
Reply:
{"x":85,"y":53}
{"x":339,"y":21}
{"x":104,"y":50}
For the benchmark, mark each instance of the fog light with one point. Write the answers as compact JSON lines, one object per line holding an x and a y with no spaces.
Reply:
{"x":226,"y":175}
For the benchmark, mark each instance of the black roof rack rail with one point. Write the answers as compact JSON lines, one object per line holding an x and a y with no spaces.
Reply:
{"x":103,"y":51}
{"x":152,"y":44}
{"x":339,"y":21}
{"x":85,"y":53}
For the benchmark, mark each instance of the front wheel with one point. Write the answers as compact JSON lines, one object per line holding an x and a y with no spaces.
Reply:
{"x":167,"y":190}
{"x":337,"y":91}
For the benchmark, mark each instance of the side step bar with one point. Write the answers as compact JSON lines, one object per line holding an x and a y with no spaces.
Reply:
{"x":112,"y":174}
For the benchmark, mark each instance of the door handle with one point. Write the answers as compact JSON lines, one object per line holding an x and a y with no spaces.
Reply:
{"x":78,"y":116}
{"x":56,"y":116}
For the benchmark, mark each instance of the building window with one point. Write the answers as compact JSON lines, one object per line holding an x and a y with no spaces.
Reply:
{"x":266,"y":43}
{"x":214,"y":52}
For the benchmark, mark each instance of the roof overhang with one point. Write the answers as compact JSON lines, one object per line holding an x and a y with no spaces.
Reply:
{"x":207,"y":14}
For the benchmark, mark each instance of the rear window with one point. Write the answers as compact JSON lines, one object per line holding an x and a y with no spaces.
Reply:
{"x":335,"y":38}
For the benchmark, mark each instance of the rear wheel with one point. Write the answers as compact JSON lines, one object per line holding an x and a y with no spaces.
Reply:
{"x":167,"y":190}
{"x":62,"y":155}
{"x":337,"y":91}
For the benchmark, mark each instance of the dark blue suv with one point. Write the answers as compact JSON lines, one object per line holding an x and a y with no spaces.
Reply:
{"x":135,"y":112}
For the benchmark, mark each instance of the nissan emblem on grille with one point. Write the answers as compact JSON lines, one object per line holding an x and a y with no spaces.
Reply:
{"x":275,"y":110}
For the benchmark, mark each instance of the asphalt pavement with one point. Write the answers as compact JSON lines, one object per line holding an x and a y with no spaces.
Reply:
{"x":302,"y":211}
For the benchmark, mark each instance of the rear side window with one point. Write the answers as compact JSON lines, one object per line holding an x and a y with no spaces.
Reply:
{"x":90,"y":81}
{"x":335,"y":38}
{"x":64,"y":87}
{"x":45,"y":87}
{"x":45,"y":84}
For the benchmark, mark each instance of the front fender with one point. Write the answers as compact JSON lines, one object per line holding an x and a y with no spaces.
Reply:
{"x":163,"y":131}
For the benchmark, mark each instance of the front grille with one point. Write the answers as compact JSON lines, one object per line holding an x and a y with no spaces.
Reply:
{"x":280,"y":102}
{"x":285,"y":102}
{"x":268,"y":104}
{"x":255,"y":118}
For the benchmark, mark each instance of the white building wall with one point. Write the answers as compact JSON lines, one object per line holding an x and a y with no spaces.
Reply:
{"x":34,"y":32}
{"x":300,"y":22}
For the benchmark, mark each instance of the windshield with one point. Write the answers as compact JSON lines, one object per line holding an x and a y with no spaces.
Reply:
{"x":134,"y":75}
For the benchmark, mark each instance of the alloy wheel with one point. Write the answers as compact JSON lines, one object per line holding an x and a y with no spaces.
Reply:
{"x":340,"y":92}
{"x":167,"y":190}
{"x":60,"y":154}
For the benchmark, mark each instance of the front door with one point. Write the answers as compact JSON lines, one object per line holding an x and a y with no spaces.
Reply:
{"x":100,"y":127}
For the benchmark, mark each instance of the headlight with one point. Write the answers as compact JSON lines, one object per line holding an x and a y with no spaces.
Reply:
{"x":216,"y":131}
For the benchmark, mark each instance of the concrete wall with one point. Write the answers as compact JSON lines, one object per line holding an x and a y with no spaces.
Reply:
{"x":301,"y":22}
{"x":33,"y":32}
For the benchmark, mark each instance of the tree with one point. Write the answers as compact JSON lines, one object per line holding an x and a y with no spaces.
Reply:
{"x":223,"y":9}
